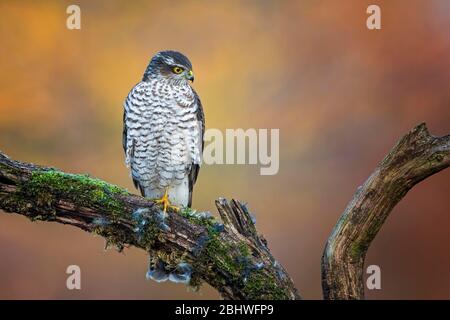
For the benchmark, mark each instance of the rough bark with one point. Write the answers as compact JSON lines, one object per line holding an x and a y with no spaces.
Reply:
{"x":415,"y":157}
{"x":229,"y":255}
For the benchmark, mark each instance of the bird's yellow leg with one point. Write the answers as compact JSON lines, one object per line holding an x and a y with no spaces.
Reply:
{"x":166,"y":203}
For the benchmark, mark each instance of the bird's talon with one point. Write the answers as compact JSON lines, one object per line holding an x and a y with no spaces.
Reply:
{"x":166,"y":203}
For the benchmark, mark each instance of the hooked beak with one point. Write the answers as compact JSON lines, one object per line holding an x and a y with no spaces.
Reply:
{"x":190,"y":76}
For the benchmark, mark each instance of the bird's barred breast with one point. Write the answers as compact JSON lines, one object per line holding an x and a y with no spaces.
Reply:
{"x":163,"y":134}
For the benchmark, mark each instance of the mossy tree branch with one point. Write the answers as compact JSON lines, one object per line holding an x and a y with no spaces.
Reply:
{"x":231,"y":257}
{"x":415,"y":157}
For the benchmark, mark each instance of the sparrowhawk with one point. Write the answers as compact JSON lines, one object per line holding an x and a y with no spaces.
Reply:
{"x":163,"y":126}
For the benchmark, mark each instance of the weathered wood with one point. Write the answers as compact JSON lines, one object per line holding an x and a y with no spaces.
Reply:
{"x":415,"y":157}
{"x":231,"y":257}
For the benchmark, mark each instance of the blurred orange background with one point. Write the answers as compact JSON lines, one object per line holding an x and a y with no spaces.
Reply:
{"x":340,"y":94}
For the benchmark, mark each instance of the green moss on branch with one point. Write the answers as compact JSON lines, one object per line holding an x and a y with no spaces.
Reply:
{"x":232,"y":264}
{"x":228,"y":263}
{"x":48,"y":186}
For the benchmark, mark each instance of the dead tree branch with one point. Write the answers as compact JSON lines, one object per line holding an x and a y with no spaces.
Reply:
{"x":414,"y":158}
{"x":230,"y":256}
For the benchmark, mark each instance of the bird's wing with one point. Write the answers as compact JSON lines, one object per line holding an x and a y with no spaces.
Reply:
{"x":195,"y":167}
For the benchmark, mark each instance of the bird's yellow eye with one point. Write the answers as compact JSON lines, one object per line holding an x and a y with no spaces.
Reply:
{"x":177,"y":70}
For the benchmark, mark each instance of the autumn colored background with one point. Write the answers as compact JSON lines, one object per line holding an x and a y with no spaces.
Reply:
{"x":340,"y":94}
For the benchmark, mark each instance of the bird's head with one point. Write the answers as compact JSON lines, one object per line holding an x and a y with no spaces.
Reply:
{"x":171,"y":65}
